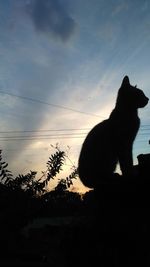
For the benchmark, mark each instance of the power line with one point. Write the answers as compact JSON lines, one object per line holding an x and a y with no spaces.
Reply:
{"x":25,"y":149}
{"x":49,"y":104}
{"x":49,"y":130}
{"x":53,"y":135}
{"x":143,"y":134}
{"x":50,"y":135}
{"x":51,"y":138}
{"x":58,"y":130}
{"x":145,"y":125}
{"x":41,"y":135}
{"x":144,"y":129}
{"x":45,"y":138}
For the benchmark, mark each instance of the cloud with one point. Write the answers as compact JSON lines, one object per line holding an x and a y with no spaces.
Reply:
{"x":122,"y":6}
{"x":49,"y":16}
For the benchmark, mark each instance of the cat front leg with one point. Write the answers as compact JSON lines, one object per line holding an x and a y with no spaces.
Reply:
{"x":126,"y":162}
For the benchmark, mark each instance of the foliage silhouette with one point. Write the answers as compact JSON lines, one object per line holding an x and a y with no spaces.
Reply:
{"x":5,"y":174}
{"x":64,"y":184}
{"x":24,"y":198}
{"x":34,"y":187}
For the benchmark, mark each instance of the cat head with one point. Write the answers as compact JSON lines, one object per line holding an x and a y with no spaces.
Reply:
{"x":130,"y":96}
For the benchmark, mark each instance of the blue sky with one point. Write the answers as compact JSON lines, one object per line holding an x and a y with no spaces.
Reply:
{"x":72,"y":54}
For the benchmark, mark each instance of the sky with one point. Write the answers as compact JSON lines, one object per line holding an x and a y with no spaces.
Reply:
{"x":61,"y":65}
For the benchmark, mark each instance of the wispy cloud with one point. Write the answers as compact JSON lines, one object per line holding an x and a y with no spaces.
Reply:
{"x":50,"y":17}
{"x":122,"y":6}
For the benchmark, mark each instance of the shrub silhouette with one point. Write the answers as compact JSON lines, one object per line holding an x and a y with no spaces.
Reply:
{"x":24,"y":197}
{"x":32,"y":186}
{"x":5,"y":174}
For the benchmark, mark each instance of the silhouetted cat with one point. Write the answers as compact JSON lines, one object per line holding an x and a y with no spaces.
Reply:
{"x":111,"y":141}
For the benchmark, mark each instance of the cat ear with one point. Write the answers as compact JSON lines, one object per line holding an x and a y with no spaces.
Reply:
{"x":125,"y":81}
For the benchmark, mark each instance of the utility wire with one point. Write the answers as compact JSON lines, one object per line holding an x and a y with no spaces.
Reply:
{"x":56,"y":130}
{"x":53,"y":135}
{"x":49,"y":135}
{"x":41,"y":135}
{"x":50,"y":138}
{"x":145,"y":125}
{"x":49,"y":130}
{"x":26,"y":139}
{"x":49,"y":104}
